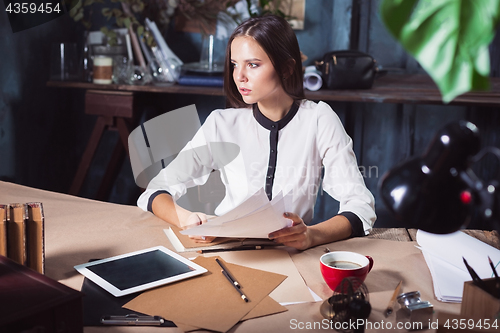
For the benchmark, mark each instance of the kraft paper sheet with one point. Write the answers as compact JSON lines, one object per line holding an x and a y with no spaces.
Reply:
{"x":209,"y":301}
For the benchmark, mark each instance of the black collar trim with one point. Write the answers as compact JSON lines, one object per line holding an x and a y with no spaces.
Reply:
{"x":271,"y":125}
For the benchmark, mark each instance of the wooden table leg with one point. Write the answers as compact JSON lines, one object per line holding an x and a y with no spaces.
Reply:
{"x":115,"y":161}
{"x":100,"y":125}
{"x":113,"y":109}
{"x":112,"y":171}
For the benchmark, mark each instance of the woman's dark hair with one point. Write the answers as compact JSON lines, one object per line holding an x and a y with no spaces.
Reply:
{"x":276,"y":37}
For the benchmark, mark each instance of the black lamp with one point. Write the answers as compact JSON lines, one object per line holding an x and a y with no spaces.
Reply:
{"x":436,"y":191}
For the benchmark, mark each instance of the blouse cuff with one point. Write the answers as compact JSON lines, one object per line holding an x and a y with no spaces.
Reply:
{"x":152,"y":197}
{"x":356,"y":224}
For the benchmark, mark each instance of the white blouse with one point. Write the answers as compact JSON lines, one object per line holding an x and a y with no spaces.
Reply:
{"x":289,"y":155}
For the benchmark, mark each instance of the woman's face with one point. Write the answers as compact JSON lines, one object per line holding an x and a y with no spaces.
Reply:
{"x":253,"y":72}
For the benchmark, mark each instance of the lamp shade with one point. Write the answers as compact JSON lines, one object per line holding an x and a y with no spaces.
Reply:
{"x":425,"y":192}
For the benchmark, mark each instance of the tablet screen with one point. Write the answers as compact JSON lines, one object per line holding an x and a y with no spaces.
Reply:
{"x":136,"y":271}
{"x":140,"y":269}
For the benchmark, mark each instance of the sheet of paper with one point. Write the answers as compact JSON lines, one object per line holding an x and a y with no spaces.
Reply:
{"x":254,"y":218}
{"x":252,"y":204}
{"x":447,"y":280}
{"x":292,"y":290}
{"x":443,"y":255}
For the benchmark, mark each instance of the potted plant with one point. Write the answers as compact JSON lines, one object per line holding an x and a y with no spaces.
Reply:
{"x":449,"y":38}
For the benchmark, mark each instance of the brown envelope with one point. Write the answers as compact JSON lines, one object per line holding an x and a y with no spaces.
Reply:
{"x":208,"y":301}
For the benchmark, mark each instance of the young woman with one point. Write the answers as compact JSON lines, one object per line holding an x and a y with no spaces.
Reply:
{"x":286,"y":143}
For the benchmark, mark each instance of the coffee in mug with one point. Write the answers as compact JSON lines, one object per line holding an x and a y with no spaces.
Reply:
{"x":337,"y":265}
{"x":344,"y":264}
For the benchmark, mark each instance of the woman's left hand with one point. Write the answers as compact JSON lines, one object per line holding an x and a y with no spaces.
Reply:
{"x":193,"y":220}
{"x":296,"y":236}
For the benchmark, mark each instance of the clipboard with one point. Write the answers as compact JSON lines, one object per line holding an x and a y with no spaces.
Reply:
{"x":98,"y":303}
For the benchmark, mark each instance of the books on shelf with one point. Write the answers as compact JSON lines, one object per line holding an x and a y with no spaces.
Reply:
{"x":160,"y":41}
{"x":183,"y":243}
{"x":189,"y":79}
{"x":22,"y":234}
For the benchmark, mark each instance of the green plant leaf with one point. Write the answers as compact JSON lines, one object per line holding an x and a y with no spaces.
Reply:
{"x":75,"y":10}
{"x":127,"y":22}
{"x":449,"y":38}
{"x":78,"y":16}
{"x":87,"y":24}
{"x":140,"y":30}
{"x":117,"y":12}
{"x":106,"y":12}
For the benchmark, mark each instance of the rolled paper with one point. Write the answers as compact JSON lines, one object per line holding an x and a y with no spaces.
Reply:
{"x":312,"y":78}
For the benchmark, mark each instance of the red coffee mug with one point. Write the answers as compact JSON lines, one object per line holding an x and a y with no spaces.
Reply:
{"x":337,"y":265}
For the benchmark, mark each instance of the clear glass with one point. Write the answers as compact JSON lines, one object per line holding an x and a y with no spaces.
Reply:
{"x":212,"y":53}
{"x":64,"y":62}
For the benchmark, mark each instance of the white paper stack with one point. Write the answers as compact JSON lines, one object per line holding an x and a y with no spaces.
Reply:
{"x":256,"y":217}
{"x":444,"y":256}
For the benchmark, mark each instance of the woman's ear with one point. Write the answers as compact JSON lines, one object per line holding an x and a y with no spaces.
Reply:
{"x":288,"y":68}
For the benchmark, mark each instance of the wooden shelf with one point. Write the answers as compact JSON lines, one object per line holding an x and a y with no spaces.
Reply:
{"x":392,"y":88}
{"x":166,"y":89}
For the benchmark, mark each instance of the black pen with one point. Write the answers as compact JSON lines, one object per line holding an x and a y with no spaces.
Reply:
{"x":243,"y":296}
{"x":475,"y":278}
{"x":238,"y":248}
{"x":133,"y":319}
{"x":229,"y":276}
{"x":232,"y":280}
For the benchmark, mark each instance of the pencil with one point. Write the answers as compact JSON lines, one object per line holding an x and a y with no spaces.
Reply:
{"x":390,"y":306}
{"x":229,"y":276}
{"x":493,"y":268}
{"x":243,"y":297}
{"x":239,"y":248}
{"x":475,"y":278}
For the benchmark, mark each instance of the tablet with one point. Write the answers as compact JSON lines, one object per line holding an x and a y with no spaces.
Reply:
{"x":140,"y":270}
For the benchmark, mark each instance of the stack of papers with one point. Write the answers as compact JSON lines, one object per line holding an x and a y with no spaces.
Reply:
{"x":256,"y":217}
{"x":443,"y":255}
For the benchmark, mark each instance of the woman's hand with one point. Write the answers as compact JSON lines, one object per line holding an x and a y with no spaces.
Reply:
{"x":193,"y":220}
{"x":296,"y":236}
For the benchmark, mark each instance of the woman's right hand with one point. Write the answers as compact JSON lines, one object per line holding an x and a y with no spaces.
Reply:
{"x":193,"y":220}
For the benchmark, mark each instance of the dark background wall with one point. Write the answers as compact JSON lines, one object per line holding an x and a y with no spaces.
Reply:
{"x":43,"y":131}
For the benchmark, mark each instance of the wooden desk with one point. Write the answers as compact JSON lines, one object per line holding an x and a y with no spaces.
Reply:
{"x":410,"y":235}
{"x":114,"y":107}
{"x":79,"y":229}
